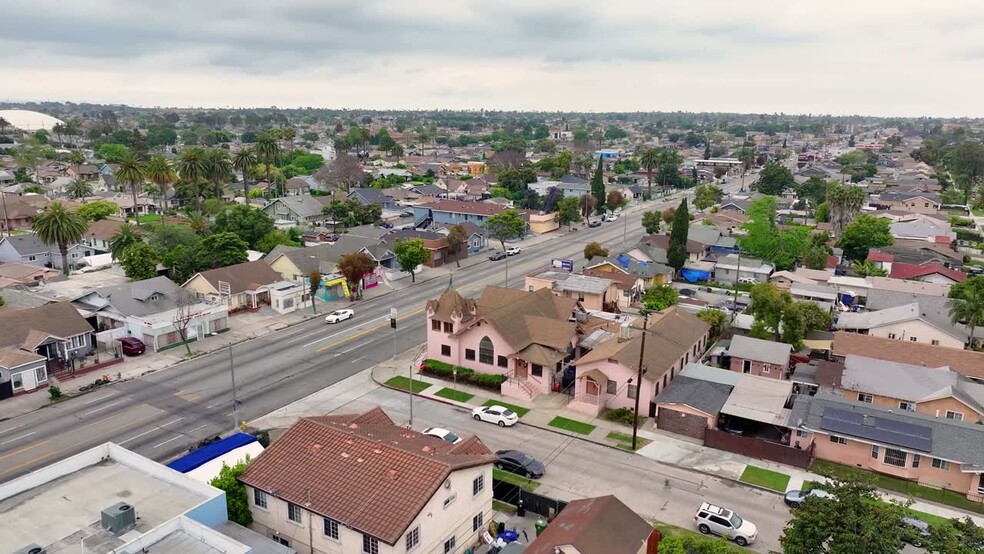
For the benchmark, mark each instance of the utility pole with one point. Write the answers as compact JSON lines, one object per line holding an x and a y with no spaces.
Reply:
{"x":6,"y":226}
{"x":734,"y":309}
{"x":411,"y":391}
{"x":235,"y":402}
{"x":625,"y":227}
{"x":642,"y":352}
{"x":393,"y":325}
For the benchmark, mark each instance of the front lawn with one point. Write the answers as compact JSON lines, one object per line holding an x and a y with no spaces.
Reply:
{"x":625,"y":441}
{"x":456,"y":395}
{"x":765,"y":478}
{"x":403,"y":383}
{"x":519,"y":410}
{"x":527,"y":485}
{"x":571,"y":425}
{"x":150,"y":218}
{"x":910,"y":488}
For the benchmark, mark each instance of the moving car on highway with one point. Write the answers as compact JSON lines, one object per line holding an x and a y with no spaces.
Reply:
{"x":339,"y":315}
{"x":513,"y":250}
{"x":497,"y":255}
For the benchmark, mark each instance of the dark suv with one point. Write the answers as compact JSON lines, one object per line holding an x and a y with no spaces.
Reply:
{"x":132,"y":346}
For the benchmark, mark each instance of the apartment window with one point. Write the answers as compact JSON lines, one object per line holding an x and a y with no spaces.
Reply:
{"x":916,"y":458}
{"x":448,"y":327}
{"x":478,"y":484}
{"x":32,"y":258}
{"x":435,"y":325}
{"x":537,"y":370}
{"x":913,"y":339}
{"x":370,"y":545}
{"x":449,"y":545}
{"x":956,"y":416}
{"x":874,"y":451}
{"x":894,"y":457}
{"x":445,"y":349}
{"x":477,"y":522}
{"x":331,"y":529}
{"x":41,"y":374}
{"x":865,"y":397}
{"x":907,"y":406}
{"x":935,"y":342}
{"x":800,"y":433}
{"x":486,"y":352}
{"x":281,"y":540}
{"x":941,"y":464}
{"x":259,"y":499}
{"x":891,"y":335}
{"x":612,"y":387}
{"x":502,"y":361}
{"x":838,"y":440}
{"x":413,"y":538}
{"x":632,"y":391}
{"x":294,"y":512}
{"x":469,"y":354}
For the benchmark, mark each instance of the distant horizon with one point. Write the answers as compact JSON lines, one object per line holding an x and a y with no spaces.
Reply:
{"x":898,"y":59}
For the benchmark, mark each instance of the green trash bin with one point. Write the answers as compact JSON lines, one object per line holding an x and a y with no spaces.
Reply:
{"x":540,"y":525}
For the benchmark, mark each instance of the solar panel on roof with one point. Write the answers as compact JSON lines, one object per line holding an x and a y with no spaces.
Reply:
{"x":882,"y":430}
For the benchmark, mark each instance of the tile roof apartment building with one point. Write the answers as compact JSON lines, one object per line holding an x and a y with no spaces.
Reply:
{"x":359,"y":483}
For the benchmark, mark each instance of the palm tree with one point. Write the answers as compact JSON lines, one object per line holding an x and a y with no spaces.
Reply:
{"x":650,"y":160}
{"x":59,"y":226}
{"x":288,"y":134}
{"x":131,"y":172}
{"x":126,"y":236}
{"x":79,"y":189}
{"x":967,"y":305}
{"x":160,"y":172}
{"x":191,"y":168}
{"x":76,"y":158}
{"x":197,"y":221}
{"x":244,"y":161}
{"x":268,"y":151}
{"x":218,"y":169}
{"x":843,"y":203}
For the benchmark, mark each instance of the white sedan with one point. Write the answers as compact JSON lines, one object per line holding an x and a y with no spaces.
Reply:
{"x":339,"y":315}
{"x":500,"y":415}
{"x":513,"y":250}
{"x":442,"y":434}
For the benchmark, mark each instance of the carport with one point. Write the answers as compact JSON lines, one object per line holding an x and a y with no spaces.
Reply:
{"x":762,"y":400}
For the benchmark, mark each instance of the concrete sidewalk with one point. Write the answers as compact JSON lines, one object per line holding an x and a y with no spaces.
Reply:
{"x":653,"y":444}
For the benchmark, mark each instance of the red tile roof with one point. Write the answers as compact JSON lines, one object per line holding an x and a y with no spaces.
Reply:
{"x":876,"y":256}
{"x":911,"y":271}
{"x":361,"y":470}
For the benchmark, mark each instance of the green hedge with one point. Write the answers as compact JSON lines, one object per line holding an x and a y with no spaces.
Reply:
{"x":444,"y":370}
{"x":620,"y":415}
{"x":969,"y":236}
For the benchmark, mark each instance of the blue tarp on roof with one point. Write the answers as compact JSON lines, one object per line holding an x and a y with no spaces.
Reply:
{"x":210,"y":452}
{"x":695,"y":275}
{"x":623,"y":260}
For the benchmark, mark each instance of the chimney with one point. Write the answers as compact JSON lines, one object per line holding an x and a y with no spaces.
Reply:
{"x":624,"y":332}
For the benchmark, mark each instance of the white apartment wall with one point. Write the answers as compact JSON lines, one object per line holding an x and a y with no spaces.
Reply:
{"x":437,"y":523}
{"x":922,"y":331}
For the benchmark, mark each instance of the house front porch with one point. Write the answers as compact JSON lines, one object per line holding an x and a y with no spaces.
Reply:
{"x":590,"y":393}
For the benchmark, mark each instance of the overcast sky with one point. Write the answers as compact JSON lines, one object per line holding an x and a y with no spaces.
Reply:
{"x":878,"y":57}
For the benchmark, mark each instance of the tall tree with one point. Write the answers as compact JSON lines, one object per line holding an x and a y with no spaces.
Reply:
{"x":659,"y":297}
{"x":505,"y":225}
{"x":344,"y":171}
{"x":650,"y":161}
{"x":76,"y":158}
{"x":160,"y":172}
{"x":863,"y":234}
{"x":411,"y":254}
{"x":222,"y":250}
{"x":139,"y":261}
{"x":314,"y":285}
{"x":966,"y":304}
{"x":844,"y":202}
{"x":587,"y":204}
{"x":774,"y":179}
{"x":268,"y":151}
{"x":125,"y":237}
{"x":593,"y":250}
{"x":246,"y":222}
{"x":598,"y":186}
{"x":966,"y":165}
{"x":765,"y":240}
{"x":676,"y":254}
{"x":244,"y":160}
{"x":706,"y":196}
{"x":237,"y":499}
{"x":354,"y":266}
{"x":457,"y":242}
{"x":57,"y":225}
{"x":192,"y":169}
{"x":568,"y":211}
{"x":218,"y":170}
{"x":651,"y":221}
{"x":131,"y":174}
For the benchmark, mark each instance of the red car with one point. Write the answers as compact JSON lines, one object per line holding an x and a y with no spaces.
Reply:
{"x":132,"y":346}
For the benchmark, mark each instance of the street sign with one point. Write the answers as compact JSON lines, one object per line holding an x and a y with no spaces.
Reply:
{"x":563,"y":264}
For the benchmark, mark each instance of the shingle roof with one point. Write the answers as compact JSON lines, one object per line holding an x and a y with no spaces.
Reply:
{"x":934,"y":315}
{"x":304,"y":205}
{"x":706,"y":396}
{"x":967,"y":362}
{"x":242,"y":277}
{"x":750,"y":348}
{"x":952,"y":440}
{"x":366,"y":473}
{"x":524,"y":318}
{"x":602,"y":525}
{"x":14,"y":357}
{"x":902,"y":270}
{"x":60,"y":319}
{"x":451,"y":304}
{"x":133,"y":298}
{"x":458,"y":206}
{"x":28,"y":244}
{"x":915,"y":383}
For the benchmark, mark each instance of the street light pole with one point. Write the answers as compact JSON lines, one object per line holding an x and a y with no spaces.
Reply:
{"x":642,"y":352}
{"x":235,"y":402}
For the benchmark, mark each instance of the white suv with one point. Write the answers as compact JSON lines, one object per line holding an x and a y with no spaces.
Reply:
{"x":720,"y":521}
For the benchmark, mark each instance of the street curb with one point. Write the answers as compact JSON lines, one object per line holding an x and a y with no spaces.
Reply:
{"x":578,"y":437}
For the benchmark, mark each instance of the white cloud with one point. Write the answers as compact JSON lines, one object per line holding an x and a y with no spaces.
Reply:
{"x":876,"y":57}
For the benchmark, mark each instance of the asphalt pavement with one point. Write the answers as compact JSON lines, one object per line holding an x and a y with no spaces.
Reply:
{"x":163,"y":414}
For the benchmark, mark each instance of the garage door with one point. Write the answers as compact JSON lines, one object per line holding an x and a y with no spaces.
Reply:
{"x":681,"y":423}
